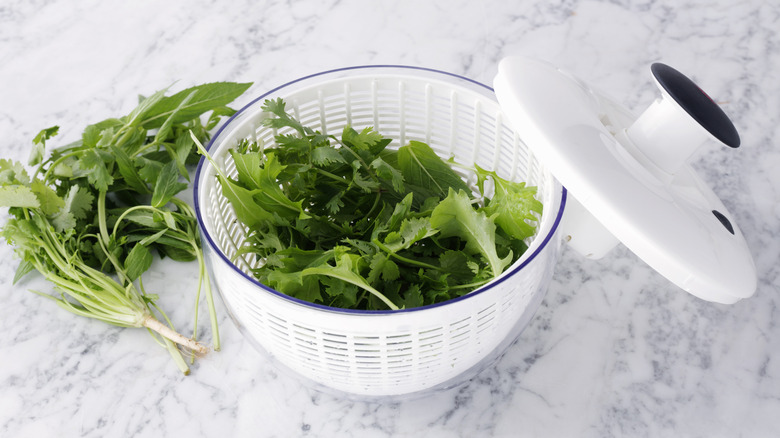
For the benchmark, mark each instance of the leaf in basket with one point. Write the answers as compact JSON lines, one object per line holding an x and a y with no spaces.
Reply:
{"x":249,"y":168}
{"x":514,"y":205}
{"x":426,"y":173}
{"x":270,"y":195}
{"x":455,"y":216}
{"x":247,"y":211}
{"x":412,"y":297}
{"x":347,"y":269}
{"x":382,"y":265}
{"x":367,"y":139}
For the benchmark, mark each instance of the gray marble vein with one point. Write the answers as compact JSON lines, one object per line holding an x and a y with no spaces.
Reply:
{"x":614,"y":350}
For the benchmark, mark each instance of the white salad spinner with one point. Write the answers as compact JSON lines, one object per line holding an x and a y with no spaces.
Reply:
{"x":547,"y":127}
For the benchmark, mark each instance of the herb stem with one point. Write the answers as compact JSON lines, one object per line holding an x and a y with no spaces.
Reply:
{"x":362,"y":162}
{"x":128,"y":211}
{"x":154,"y":324}
{"x":409,"y":261}
{"x":204,"y":277}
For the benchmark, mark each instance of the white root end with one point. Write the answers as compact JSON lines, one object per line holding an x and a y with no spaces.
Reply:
{"x":152,"y":323}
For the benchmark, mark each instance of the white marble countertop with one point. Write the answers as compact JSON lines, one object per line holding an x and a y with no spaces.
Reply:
{"x":614,"y":350}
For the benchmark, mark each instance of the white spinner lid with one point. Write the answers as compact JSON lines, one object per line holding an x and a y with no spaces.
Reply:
{"x":632,"y":174}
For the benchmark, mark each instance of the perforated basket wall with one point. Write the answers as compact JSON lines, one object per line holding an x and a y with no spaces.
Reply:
{"x":385,"y":353}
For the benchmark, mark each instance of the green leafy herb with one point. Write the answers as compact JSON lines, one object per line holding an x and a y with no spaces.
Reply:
{"x":347,"y":222}
{"x":94,"y":212}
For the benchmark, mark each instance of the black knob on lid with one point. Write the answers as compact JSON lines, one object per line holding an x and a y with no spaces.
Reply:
{"x":697,"y":104}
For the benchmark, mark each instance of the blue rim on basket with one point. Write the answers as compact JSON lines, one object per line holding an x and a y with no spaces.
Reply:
{"x":211,"y":242}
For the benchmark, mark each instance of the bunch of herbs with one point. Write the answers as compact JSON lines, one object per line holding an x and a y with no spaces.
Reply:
{"x":92,"y":213}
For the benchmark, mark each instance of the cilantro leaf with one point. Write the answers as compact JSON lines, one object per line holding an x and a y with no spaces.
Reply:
{"x":382,"y":266}
{"x":18,"y":196}
{"x":366,"y":139}
{"x":39,"y":144}
{"x":50,"y":203}
{"x":13,"y":172}
{"x":98,"y":174}
{"x":412,"y":297}
{"x":412,"y":230}
{"x":388,"y":172}
{"x":326,"y":155}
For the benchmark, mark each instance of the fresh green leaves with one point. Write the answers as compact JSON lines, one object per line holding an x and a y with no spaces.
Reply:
{"x":200,"y":99}
{"x":103,"y":205}
{"x":167,"y":185}
{"x":454,"y":216}
{"x":347,"y":222}
{"x":426,"y":173}
{"x":39,"y":144}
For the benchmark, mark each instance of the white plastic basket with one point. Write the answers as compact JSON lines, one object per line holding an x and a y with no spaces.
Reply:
{"x":384,"y":353}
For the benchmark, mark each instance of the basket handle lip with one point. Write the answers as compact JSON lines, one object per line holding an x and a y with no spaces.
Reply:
{"x":204,"y":233}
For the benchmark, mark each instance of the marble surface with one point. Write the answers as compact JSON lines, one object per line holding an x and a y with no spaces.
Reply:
{"x":614,"y":350}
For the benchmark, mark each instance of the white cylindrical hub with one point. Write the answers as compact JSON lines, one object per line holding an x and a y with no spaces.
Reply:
{"x":666,"y":134}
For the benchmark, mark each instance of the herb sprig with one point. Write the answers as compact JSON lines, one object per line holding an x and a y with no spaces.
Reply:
{"x":93,"y":213}
{"x":349,"y":223}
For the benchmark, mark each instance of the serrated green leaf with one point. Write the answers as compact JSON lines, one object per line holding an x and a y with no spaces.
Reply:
{"x":39,"y":144}
{"x":400,"y":212}
{"x":91,"y":135}
{"x":514,"y":205}
{"x":388,"y":172}
{"x":343,"y":293}
{"x":149,"y":169}
{"x":13,"y":172}
{"x":412,"y":297}
{"x":412,"y":230}
{"x":282,"y":120}
{"x":382,"y":266}
{"x":366,"y":139}
{"x":335,"y":203}
{"x":50,"y":203}
{"x":97,"y":173}
{"x":455,"y":263}
{"x":346,"y":269}
{"x":293,"y":143}
{"x":63,"y":221}
{"x":18,"y":196}
{"x":128,"y":171}
{"x":326,"y":155}
{"x":455,"y":216}
{"x":167,"y":185}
